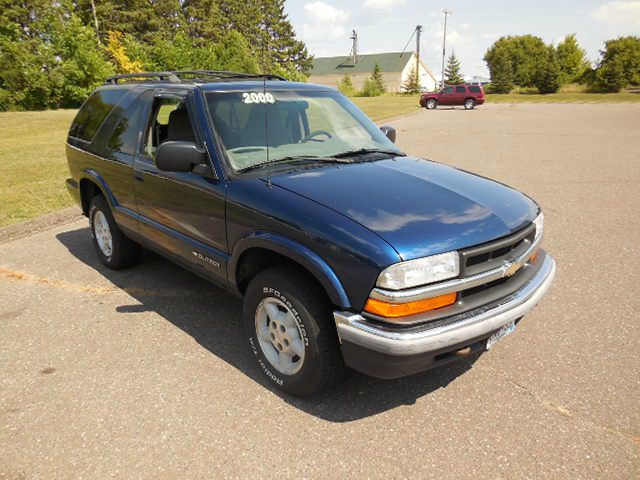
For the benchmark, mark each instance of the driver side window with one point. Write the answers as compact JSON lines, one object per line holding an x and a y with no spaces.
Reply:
{"x":169,"y":121}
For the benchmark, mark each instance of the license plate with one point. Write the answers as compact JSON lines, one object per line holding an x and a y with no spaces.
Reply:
{"x":503,"y":332}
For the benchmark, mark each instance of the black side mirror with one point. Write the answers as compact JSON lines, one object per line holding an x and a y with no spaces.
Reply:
{"x":178,"y":156}
{"x":389,"y":132}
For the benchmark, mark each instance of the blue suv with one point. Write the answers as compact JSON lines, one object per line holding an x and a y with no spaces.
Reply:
{"x":346,"y":250}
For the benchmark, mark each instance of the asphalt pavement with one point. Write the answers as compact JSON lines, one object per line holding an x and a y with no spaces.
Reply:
{"x":143,"y":373}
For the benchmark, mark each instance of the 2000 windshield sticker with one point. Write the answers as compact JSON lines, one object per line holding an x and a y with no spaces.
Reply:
{"x":260,"y":97}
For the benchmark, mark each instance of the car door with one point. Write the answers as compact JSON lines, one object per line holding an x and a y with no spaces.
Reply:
{"x":460,"y":95}
{"x":181,"y":213}
{"x":446,"y":96}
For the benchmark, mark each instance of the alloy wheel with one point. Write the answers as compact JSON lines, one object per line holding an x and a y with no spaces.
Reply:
{"x":279,"y":336}
{"x":102,"y":233}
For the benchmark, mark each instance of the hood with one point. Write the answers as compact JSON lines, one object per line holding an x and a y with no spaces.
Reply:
{"x":419,"y":207}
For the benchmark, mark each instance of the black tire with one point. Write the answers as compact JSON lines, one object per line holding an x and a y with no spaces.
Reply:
{"x":124,"y":251}
{"x":322,"y":364}
{"x":469,"y":104}
{"x":431,"y":104}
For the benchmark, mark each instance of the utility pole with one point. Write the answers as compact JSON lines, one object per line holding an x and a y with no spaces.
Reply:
{"x":418,"y":32}
{"x":444,"y":41}
{"x":354,"y":47}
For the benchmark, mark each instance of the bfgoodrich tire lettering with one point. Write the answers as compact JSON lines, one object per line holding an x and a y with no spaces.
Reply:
{"x":310,"y":321}
{"x":115,"y":250}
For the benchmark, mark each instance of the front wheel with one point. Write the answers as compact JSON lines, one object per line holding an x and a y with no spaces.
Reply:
{"x":289,"y":325}
{"x":469,"y":104}
{"x":431,"y":104}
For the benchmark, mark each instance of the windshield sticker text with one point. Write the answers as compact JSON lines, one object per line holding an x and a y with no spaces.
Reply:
{"x":260,"y":97}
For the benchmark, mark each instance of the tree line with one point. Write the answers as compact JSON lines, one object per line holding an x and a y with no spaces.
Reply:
{"x":53,"y":53}
{"x":526,"y":61}
{"x":374,"y":85}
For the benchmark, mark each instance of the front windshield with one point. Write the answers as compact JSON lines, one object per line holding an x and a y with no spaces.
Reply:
{"x":292,"y":124}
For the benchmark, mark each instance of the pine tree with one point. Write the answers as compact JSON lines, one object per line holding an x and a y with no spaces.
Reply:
{"x":144,"y":20}
{"x":452,"y":72}
{"x":549,"y":78}
{"x":269,"y":32}
{"x":572,"y":59}
{"x":412,"y":83}
{"x":610,"y":76}
{"x":346,"y":85}
{"x":501,"y":71}
{"x":377,"y":79}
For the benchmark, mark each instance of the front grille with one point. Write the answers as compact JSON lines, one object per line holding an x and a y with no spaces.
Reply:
{"x":493,"y":254}
{"x":481,"y":288}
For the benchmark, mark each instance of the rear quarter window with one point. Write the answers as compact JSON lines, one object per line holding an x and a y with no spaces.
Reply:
{"x":474,"y":89}
{"x":129,"y":126}
{"x":93,"y":113}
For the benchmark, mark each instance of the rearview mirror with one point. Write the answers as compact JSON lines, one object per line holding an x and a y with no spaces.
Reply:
{"x":389,"y":132}
{"x":178,"y":156}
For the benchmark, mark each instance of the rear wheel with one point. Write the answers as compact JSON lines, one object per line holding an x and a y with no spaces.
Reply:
{"x":431,"y":104}
{"x":290,"y":328}
{"x":115,"y":250}
{"x":469,"y":104}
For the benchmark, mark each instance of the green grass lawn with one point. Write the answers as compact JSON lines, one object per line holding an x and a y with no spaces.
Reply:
{"x":32,"y":164}
{"x":565,"y":97}
{"x":387,"y":106}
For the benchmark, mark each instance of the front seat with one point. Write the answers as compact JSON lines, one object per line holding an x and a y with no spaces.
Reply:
{"x":179,"y":127}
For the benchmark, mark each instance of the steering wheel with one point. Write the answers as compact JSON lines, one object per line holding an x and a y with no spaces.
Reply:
{"x":315,"y":133}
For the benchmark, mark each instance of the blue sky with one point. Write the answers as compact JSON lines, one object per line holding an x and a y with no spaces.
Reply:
{"x":386,"y":25}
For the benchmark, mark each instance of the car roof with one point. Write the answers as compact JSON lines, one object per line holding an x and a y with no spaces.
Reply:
{"x":208,"y":80}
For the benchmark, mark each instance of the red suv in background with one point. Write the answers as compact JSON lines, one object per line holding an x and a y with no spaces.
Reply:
{"x":467,"y":95}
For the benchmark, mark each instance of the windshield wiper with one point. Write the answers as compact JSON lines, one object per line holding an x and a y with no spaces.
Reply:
{"x":364,"y":151}
{"x":292,"y":158}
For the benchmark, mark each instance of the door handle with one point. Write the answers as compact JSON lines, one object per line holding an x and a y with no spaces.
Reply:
{"x":138,"y":176}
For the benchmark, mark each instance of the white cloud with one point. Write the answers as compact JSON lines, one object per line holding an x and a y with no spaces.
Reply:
{"x":619,"y":15}
{"x":455,"y":38}
{"x":324,"y":23}
{"x":324,"y":12}
{"x":382,"y":4}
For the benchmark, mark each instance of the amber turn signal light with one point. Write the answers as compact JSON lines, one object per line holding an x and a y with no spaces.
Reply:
{"x":395,"y":310}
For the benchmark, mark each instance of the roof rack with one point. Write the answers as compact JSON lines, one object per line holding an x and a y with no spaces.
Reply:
{"x":178,"y":76}
{"x":170,"y":76}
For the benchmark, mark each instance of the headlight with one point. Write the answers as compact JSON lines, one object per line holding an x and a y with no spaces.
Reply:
{"x":539,"y":223}
{"x":420,"y":271}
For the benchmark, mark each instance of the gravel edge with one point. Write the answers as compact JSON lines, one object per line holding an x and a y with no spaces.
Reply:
{"x":39,"y":224}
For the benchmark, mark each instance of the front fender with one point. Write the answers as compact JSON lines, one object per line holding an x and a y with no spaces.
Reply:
{"x":297,"y":252}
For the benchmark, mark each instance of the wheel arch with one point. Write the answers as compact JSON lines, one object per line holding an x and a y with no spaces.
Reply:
{"x":91,"y":184}
{"x":261,"y":250}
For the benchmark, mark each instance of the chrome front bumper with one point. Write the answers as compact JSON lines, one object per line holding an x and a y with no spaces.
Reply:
{"x":455,"y":331}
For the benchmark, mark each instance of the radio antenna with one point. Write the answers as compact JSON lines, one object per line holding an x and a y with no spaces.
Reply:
{"x":264,"y":92}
